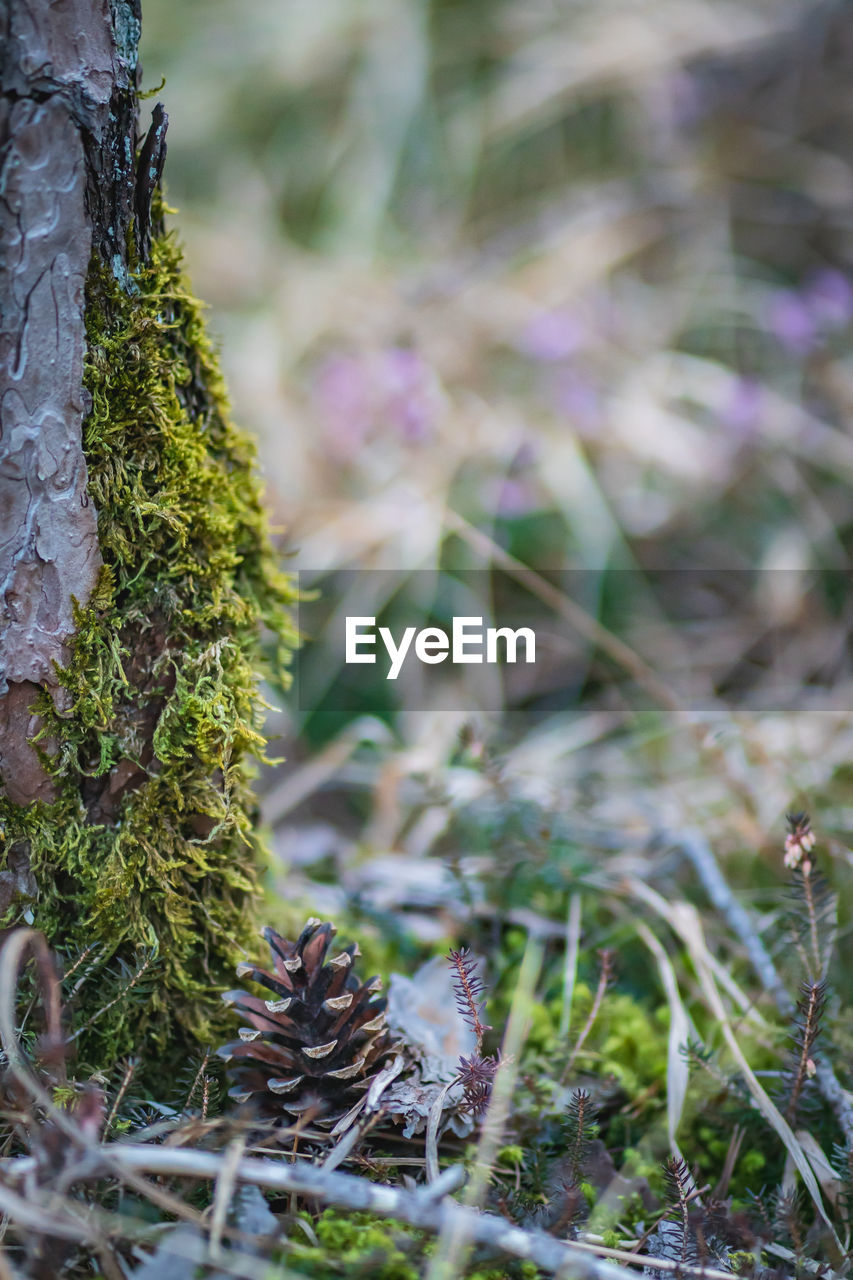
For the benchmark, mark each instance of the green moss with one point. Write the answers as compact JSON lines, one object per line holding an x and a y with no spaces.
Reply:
{"x":633,"y":1043}
{"x":628,"y":1039}
{"x":360,"y":1244}
{"x":637,"y":1165}
{"x":751,"y":1165}
{"x":611,"y":1215}
{"x":741,"y":1262}
{"x":63,"y":1096}
{"x":357,"y":1244}
{"x":510,"y":1156}
{"x":150,"y":848}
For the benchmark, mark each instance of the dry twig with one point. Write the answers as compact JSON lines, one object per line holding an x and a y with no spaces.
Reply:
{"x":417,"y":1208}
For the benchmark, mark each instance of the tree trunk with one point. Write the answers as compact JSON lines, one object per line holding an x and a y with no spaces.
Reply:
{"x":134,"y":559}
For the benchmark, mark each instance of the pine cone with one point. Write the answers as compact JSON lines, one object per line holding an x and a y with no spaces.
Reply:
{"x":321,"y":1039}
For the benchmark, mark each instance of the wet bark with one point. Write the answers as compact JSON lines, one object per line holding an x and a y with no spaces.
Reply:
{"x":68,"y":77}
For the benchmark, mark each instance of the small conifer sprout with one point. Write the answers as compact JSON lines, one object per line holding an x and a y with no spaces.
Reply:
{"x":476,"y":1073}
{"x":314,"y":1046}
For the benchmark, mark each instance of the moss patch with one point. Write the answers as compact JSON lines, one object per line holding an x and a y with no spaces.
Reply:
{"x":150,"y":849}
{"x":359,"y":1244}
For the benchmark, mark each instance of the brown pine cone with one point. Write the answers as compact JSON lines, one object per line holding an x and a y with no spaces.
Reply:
{"x":318,"y":1042}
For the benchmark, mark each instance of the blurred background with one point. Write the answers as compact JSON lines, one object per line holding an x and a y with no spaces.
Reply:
{"x":533,"y":286}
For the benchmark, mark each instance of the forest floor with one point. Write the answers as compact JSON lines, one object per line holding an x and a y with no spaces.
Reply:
{"x":559,"y":295}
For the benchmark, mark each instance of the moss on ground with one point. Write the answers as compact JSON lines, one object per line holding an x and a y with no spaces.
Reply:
{"x":359,"y":1244}
{"x":149,"y":852}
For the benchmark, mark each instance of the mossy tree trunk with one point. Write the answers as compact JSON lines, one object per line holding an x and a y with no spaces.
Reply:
{"x":136,"y":567}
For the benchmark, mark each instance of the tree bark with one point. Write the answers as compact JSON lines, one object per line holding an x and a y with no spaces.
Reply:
{"x":60,"y":72}
{"x":135,"y":565}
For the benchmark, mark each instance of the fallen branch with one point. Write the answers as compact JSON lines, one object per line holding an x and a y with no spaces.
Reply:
{"x":417,"y":1208}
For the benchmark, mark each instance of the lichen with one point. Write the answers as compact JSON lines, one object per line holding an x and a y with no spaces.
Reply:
{"x":150,"y":849}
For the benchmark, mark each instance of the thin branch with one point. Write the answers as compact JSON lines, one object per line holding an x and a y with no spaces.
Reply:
{"x":693,"y":1197}
{"x":50,"y":1223}
{"x":735,"y":1143}
{"x":97,"y":1228}
{"x":200,"y":1077}
{"x":205,"y":1096}
{"x":81,"y":959}
{"x":648,"y":1260}
{"x":125,"y":990}
{"x":810,"y":1009}
{"x":418,"y":1209}
{"x":122,"y":1090}
{"x":468,"y":989}
{"x":678,"y":1177}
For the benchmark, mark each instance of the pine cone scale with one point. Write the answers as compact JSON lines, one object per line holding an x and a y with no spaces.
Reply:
{"x":277,"y":985}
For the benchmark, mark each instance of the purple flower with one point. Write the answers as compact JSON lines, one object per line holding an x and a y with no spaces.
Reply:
{"x":515,"y":498}
{"x":829,"y":295}
{"x":792,"y":322}
{"x":798,"y":320}
{"x":578,"y":397}
{"x":407,"y":393}
{"x":741,"y":411}
{"x":343,"y":395}
{"x":356,"y":394}
{"x":551,"y":336}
